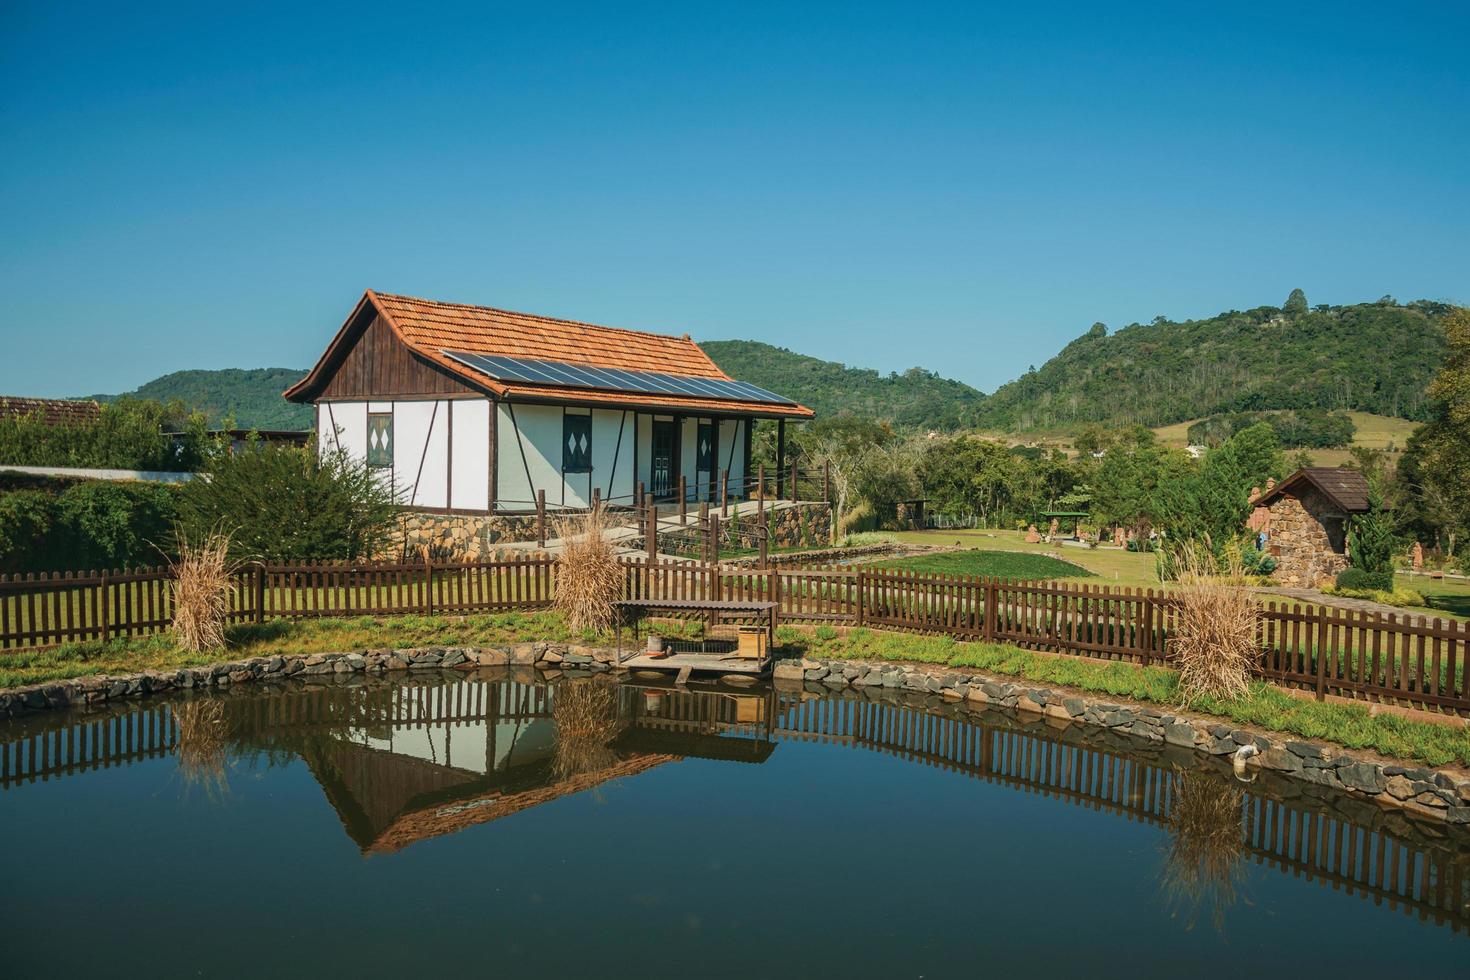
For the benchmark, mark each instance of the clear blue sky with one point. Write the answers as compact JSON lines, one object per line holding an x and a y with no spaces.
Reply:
{"x":960,"y":188}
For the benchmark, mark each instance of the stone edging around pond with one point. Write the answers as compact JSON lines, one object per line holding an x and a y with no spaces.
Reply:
{"x":1422,"y":792}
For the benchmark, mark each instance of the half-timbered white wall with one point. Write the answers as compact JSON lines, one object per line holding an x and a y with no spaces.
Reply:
{"x":530,"y":457}
{"x":426,"y":472}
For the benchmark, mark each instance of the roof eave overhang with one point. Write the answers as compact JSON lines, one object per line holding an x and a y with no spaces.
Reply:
{"x":742,"y":409}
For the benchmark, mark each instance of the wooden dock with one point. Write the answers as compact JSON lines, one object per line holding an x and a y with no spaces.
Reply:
{"x":684,"y":663}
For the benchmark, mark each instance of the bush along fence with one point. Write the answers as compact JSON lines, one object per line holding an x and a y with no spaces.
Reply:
{"x":1404,"y":660}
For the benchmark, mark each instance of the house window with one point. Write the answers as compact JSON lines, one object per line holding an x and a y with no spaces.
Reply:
{"x":380,"y":440}
{"x":576,"y":444}
{"x":706,"y":446}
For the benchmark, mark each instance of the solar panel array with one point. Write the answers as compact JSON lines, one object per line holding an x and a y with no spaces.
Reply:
{"x":564,"y":375}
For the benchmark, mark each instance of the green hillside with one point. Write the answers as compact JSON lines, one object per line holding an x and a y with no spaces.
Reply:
{"x":916,"y":398}
{"x":252,"y":396}
{"x":1370,"y":357}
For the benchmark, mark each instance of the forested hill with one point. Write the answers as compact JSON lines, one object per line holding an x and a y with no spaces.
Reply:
{"x":251,"y":396}
{"x":1373,"y":357}
{"x":916,"y":398}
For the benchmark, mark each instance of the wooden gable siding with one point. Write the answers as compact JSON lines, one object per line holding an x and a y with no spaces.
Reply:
{"x":379,"y":365}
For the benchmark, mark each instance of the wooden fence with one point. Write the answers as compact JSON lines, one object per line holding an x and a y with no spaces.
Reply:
{"x":1410,"y":660}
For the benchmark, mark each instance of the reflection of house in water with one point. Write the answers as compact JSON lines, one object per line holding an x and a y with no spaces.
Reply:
{"x":421,"y":766}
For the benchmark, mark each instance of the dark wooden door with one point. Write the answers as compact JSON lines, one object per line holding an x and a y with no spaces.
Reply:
{"x":662,"y":482}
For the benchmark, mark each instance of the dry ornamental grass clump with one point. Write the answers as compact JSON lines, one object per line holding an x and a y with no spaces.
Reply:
{"x":203,"y":578}
{"x":588,"y":577}
{"x":203,"y":737}
{"x":1204,"y":866}
{"x":1214,"y":640}
{"x":586,"y":718}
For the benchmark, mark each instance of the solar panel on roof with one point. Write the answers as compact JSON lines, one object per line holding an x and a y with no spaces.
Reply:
{"x":531,"y":371}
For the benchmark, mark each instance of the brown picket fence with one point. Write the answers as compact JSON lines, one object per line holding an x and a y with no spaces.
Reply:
{"x":1409,"y":660}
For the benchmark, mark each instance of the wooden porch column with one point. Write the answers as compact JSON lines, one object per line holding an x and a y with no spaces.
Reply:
{"x":780,"y":449}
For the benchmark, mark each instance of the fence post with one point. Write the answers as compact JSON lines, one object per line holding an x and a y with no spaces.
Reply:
{"x":540,"y":518}
{"x":724,"y":492}
{"x":714,"y":540}
{"x":683,"y":501}
{"x":106,"y":608}
{"x":992,"y":602}
{"x":1147,"y":644}
{"x":596,"y":497}
{"x":638,"y":494}
{"x":763,"y":533}
{"x":862,"y":581}
{"x":428,"y":584}
{"x":260,"y":592}
{"x":1321,"y":651}
{"x":651,"y":535}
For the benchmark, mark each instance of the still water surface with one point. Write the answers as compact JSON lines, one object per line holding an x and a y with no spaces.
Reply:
{"x":490,"y":825}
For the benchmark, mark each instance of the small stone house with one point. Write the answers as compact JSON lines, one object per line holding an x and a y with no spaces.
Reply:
{"x":1304,"y":519}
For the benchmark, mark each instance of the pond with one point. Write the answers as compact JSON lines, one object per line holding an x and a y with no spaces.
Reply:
{"x":494,"y":824}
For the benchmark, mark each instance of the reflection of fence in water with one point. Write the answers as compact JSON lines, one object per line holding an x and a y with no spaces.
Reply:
{"x":1433,"y":882}
{"x":92,"y":742}
{"x":1429,"y":881}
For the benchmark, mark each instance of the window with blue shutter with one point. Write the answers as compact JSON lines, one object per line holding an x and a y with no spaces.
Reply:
{"x":576,"y":445}
{"x":380,"y":440}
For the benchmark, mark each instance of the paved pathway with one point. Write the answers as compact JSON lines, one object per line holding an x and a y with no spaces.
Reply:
{"x":1341,"y":602}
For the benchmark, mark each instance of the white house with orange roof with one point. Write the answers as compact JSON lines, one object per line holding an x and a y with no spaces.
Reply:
{"x":471,"y":409}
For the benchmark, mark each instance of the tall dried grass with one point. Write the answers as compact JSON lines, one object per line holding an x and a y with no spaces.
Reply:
{"x":588,"y":577}
{"x":585,"y":713}
{"x":203,"y":577}
{"x":201,"y":748}
{"x":1214,"y":639}
{"x":1204,"y":865}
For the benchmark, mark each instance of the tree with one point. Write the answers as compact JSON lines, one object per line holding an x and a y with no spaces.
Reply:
{"x":1438,"y":455}
{"x":1296,"y":304}
{"x":280,"y":503}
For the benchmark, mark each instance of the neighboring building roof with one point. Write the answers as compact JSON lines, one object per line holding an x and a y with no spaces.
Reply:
{"x":1346,"y":488}
{"x":53,"y":411}
{"x":430,"y":328}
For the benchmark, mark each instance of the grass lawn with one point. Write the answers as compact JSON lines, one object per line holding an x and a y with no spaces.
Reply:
{"x":1113,"y":566}
{"x":1003,"y":564}
{"x":1443,"y":597}
{"x":1265,"y":706}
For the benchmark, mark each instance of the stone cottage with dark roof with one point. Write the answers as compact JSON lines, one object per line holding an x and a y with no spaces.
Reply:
{"x":1305,"y":520}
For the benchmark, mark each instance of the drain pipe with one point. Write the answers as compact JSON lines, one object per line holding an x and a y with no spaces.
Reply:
{"x":1237,"y":761}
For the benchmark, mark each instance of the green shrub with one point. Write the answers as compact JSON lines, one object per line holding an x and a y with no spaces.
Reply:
{"x":113,"y":525}
{"x":131,"y":434}
{"x":26,"y":518}
{"x":280,"y":503}
{"x":1362,"y":580}
{"x":1257,"y":562}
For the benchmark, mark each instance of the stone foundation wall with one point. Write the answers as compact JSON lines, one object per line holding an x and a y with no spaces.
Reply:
{"x":456,"y":537}
{"x":1304,"y":552}
{"x":803,"y":525}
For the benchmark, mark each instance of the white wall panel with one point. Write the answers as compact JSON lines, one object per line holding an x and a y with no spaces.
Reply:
{"x":612,"y":455}
{"x":470,"y":463}
{"x":688,"y":454}
{"x":535,"y":431}
{"x":645,"y":450}
{"x":343,"y":424}
{"x":420,"y":452}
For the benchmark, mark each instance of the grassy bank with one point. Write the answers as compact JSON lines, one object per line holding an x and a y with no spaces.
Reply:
{"x":305,"y":636}
{"x":1000,"y":564}
{"x":1265,"y":707}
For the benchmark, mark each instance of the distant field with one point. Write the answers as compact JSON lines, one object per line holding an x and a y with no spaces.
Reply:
{"x":1001,"y":564}
{"x":1374,"y":432}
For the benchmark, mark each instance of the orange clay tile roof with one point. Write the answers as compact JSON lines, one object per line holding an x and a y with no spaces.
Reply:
{"x":52,"y":411}
{"x":430,"y":327}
